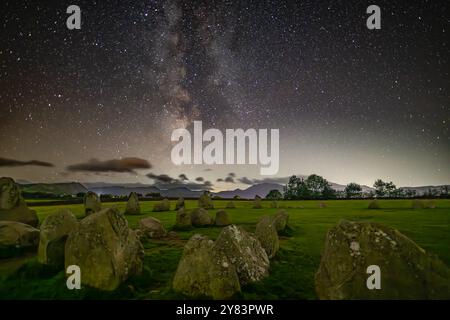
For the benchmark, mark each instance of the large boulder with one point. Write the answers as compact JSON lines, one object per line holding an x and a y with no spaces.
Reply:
{"x":17,"y":238}
{"x":106,"y":250}
{"x":205,"y":271}
{"x":12,"y":206}
{"x":267,"y":235}
{"x":163,"y":205}
{"x":222,"y":218}
{"x":407,"y":271}
{"x":152,"y":228}
{"x":205,"y":201}
{"x":91,"y":203}
{"x":200,"y":218}
{"x":179,"y":204}
{"x":133,"y":206}
{"x":245,"y":252}
{"x":54,"y":232}
{"x":183,"y":220}
{"x":281,"y":220}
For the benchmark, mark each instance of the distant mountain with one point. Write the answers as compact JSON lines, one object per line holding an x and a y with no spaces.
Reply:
{"x":180,"y":192}
{"x":117,"y":190}
{"x":261,"y":190}
{"x":426,"y":189}
{"x":54,"y":188}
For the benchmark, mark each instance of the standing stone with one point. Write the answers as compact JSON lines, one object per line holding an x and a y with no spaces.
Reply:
{"x":407,"y":271}
{"x":17,"y":238}
{"x":200,"y":218}
{"x":418,"y":204}
{"x":281,"y":220}
{"x":183,"y":221}
{"x":133,"y":206}
{"x":257,"y":202}
{"x":274,"y":204}
{"x":92,"y":203}
{"x":180,"y":203}
{"x":322,"y":205}
{"x":205,"y":201}
{"x":205,"y":271}
{"x":107,"y":251}
{"x":163,"y":205}
{"x":245,"y":252}
{"x":374,"y":204}
{"x":54,"y":232}
{"x":230,"y":205}
{"x":267,"y":235}
{"x":12,"y":206}
{"x":152,"y":228}
{"x":222,"y":218}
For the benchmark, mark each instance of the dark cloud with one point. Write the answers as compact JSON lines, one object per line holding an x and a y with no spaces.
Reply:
{"x":164,"y":181}
{"x":207,"y":169}
{"x":219,"y":180}
{"x":17,"y":163}
{"x":232,"y":174}
{"x":163,"y":178}
{"x":229,"y":179}
{"x":245,"y":180}
{"x":115,"y":165}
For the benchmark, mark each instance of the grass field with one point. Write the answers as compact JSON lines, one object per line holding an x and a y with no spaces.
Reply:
{"x":292,"y":270}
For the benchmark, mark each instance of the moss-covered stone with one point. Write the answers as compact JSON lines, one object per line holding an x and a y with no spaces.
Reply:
{"x":257,"y":203}
{"x":12,"y":206}
{"x":230,"y":205}
{"x":200,"y":218}
{"x":222,"y":218}
{"x":374,"y":204}
{"x":245,"y":252}
{"x":91,"y":203}
{"x":205,"y":201}
{"x":106,"y":250}
{"x":133,"y":206}
{"x":179,"y":204}
{"x":163,"y":205}
{"x":17,"y":238}
{"x":205,"y":271}
{"x":152,"y":228}
{"x":281,"y":220}
{"x":183,"y":220}
{"x":407,"y":271}
{"x":54,"y":232}
{"x":267,"y":235}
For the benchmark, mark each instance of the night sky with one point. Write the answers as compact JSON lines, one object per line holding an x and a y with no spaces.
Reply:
{"x":351,"y":104}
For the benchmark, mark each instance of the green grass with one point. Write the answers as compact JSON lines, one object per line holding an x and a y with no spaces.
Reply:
{"x":292,"y":270}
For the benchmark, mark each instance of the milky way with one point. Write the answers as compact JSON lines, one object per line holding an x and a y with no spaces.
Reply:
{"x":351,"y":104}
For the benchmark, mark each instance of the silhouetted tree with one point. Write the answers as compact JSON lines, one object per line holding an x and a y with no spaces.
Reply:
{"x":380,"y":188}
{"x":353,"y":190}
{"x":274,"y":195}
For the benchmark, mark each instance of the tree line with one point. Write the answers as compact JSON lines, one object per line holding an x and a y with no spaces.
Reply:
{"x":317,"y":187}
